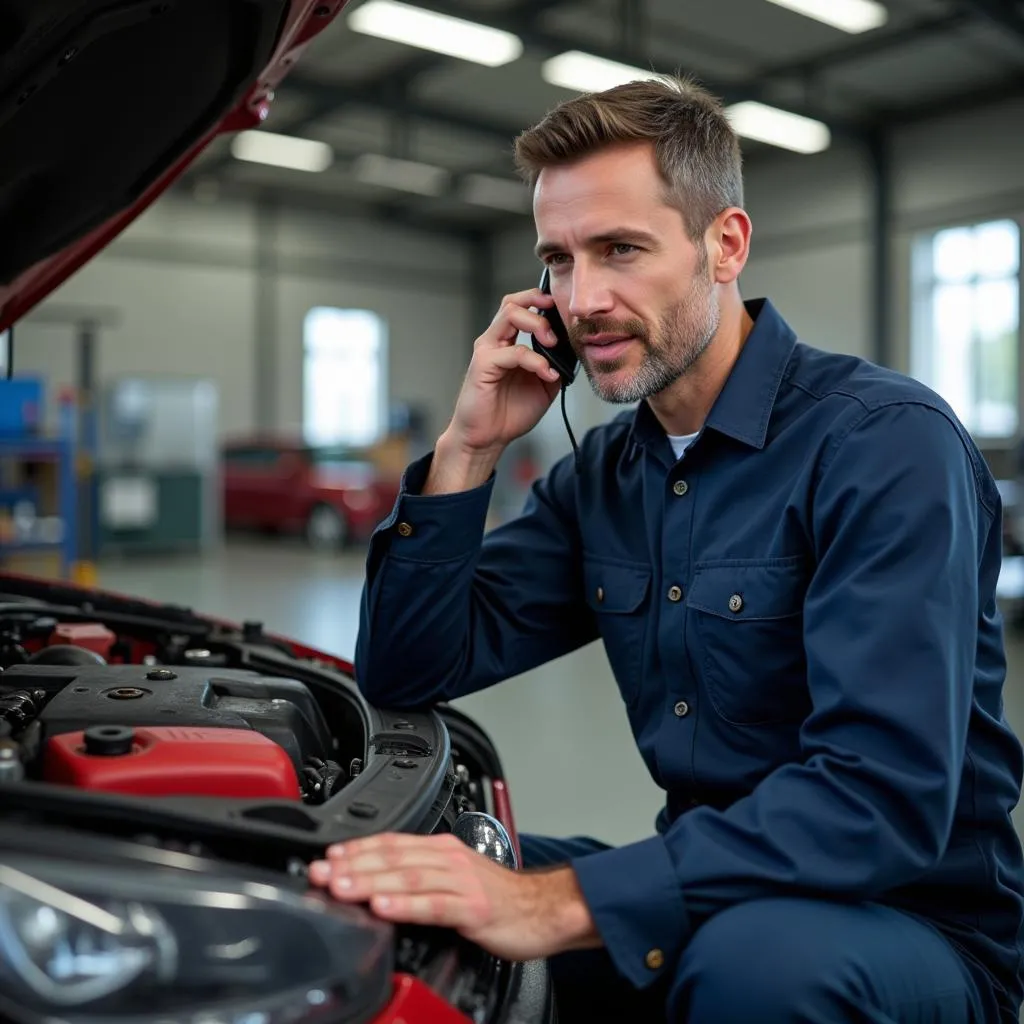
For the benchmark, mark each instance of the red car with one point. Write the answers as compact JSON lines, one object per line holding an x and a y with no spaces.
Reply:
{"x":166,"y":779}
{"x":334,"y":496}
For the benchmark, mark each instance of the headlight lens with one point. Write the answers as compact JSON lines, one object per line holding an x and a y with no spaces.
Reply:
{"x":91,"y":943}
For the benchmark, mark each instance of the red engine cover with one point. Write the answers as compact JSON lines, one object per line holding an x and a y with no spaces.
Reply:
{"x":169,"y":761}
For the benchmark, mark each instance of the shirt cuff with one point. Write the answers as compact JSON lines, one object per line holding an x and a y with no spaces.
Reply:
{"x":435,"y":527}
{"x":634,"y":897}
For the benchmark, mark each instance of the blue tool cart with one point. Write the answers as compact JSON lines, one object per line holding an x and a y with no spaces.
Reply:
{"x":38,"y":486}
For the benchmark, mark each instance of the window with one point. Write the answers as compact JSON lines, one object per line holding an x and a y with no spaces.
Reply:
{"x":344,"y":379}
{"x":967,"y":323}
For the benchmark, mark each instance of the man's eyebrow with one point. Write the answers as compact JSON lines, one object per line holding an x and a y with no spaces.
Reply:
{"x":615,"y":235}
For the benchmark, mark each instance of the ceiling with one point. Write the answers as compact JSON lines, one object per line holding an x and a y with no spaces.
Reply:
{"x":361,"y":94}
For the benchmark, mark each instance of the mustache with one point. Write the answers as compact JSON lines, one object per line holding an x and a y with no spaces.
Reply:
{"x":588,"y":327}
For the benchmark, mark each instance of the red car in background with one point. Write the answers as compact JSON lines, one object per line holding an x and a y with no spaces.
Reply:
{"x":334,"y":496}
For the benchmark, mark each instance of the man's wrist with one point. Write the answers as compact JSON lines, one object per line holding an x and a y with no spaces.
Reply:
{"x":454,"y":469}
{"x":563,"y":905}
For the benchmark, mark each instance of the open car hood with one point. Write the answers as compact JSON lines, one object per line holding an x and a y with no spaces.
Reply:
{"x":105,"y":103}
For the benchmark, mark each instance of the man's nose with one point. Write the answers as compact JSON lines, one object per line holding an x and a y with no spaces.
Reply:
{"x":590,"y":295}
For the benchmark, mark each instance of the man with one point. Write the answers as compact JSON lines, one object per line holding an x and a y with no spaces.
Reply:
{"x":791,"y":557}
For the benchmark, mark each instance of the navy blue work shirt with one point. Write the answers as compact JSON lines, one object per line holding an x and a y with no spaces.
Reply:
{"x":800,"y":614}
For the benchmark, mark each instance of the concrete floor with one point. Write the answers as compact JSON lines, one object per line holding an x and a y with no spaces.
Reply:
{"x":561,"y":729}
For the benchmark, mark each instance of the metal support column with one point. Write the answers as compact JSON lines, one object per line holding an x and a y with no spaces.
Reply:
{"x":483,"y":285}
{"x":880,"y":158}
{"x":266,"y":345}
{"x":87,"y":528}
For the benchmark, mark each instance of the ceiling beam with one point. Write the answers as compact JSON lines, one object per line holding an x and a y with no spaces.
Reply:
{"x":401,"y":211}
{"x":334,"y":97}
{"x":1008,"y":14}
{"x":550,"y":44}
{"x":871,"y":44}
{"x":955,"y":103}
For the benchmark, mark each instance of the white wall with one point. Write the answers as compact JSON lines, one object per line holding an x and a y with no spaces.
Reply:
{"x":181,"y":292}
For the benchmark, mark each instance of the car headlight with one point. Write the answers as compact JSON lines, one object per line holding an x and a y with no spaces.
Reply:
{"x":85,"y":944}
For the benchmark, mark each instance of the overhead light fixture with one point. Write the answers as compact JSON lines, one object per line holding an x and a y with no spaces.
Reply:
{"x":282,"y":151}
{"x":499,"y":193}
{"x":778,"y":127}
{"x":403,"y":23}
{"x":403,"y":175}
{"x":849,"y":15}
{"x":583,"y":72}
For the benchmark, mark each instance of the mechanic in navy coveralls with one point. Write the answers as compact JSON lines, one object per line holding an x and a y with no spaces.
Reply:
{"x":791,"y":557}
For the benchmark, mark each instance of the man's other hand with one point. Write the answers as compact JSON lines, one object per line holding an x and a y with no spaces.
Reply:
{"x":438,"y":880}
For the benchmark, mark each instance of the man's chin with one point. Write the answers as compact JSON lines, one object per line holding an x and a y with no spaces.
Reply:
{"x":617,"y":387}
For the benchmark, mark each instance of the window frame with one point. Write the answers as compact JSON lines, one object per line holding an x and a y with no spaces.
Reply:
{"x":924,"y":282}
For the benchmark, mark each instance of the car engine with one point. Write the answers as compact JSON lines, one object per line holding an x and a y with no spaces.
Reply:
{"x":155,"y":731}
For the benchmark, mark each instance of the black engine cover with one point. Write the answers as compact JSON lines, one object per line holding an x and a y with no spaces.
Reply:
{"x":83,"y":696}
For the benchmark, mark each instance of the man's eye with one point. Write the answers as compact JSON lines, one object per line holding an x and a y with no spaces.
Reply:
{"x":557,"y":259}
{"x":623,"y":248}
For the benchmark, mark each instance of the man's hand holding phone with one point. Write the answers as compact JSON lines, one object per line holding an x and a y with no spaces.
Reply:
{"x":507,"y":390}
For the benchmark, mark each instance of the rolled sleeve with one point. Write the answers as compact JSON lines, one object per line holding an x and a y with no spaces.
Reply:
{"x":633,"y":894}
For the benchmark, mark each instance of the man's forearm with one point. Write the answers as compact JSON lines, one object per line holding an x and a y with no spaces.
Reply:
{"x":453,"y":470}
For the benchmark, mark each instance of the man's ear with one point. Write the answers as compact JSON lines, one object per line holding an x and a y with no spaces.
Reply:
{"x":728,"y":241}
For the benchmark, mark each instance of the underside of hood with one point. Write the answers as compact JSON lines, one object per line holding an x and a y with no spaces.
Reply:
{"x":103,"y":103}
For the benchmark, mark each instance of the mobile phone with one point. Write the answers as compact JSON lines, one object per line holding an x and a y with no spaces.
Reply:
{"x":561,"y":356}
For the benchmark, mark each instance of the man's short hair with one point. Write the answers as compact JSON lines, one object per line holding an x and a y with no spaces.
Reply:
{"x":696,"y":148}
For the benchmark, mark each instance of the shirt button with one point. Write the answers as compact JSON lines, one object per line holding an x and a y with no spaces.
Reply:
{"x":680,"y":487}
{"x":655,"y":959}
{"x":405,"y":529}
{"x":600,"y":594}
{"x":735,"y":603}
{"x":682,"y":709}
{"x":675,"y":594}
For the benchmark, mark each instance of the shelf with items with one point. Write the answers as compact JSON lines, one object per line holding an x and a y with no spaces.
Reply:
{"x":38,"y":471}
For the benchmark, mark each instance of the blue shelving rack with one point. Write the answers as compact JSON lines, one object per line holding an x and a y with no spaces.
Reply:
{"x":61,"y":450}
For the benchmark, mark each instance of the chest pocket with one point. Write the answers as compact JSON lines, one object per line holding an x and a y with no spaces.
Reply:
{"x":618,"y":596}
{"x":748,"y":621}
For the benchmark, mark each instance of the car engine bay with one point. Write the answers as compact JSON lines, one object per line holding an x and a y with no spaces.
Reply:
{"x":226,"y":726}
{"x":127,"y":727}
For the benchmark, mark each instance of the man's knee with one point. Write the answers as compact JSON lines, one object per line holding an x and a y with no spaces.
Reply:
{"x":767,"y":960}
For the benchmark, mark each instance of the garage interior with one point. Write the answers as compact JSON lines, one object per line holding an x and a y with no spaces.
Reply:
{"x":335,"y":302}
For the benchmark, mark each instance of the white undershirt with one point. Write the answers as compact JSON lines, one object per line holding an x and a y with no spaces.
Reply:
{"x":681,"y":442}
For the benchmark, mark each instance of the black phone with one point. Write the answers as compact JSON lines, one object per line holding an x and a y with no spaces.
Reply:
{"x":561,"y":356}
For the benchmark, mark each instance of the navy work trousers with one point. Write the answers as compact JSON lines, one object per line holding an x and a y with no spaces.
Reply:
{"x":776,"y":961}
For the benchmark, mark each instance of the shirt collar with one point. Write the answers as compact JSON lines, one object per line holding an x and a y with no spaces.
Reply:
{"x":744,"y":405}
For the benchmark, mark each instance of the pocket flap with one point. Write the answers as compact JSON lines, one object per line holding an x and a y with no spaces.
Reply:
{"x":743,"y":592}
{"x":614,"y":588}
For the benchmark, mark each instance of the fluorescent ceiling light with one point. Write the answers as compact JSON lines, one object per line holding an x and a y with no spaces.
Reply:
{"x":282,"y":151}
{"x":404,"y":175}
{"x":777,"y":127}
{"x":500,"y":193}
{"x":441,"y":33}
{"x":849,"y":15}
{"x":583,"y":72}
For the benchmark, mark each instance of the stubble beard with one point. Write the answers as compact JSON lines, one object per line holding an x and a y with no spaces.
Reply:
{"x":683,"y":334}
